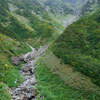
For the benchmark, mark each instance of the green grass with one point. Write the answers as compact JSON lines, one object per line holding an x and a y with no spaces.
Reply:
{"x":53,"y":88}
{"x":8,"y":72}
{"x":4,"y":95}
{"x":12,"y":76}
{"x":79,"y":46}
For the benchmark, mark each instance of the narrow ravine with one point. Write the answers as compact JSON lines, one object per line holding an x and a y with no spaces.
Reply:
{"x":26,"y":90}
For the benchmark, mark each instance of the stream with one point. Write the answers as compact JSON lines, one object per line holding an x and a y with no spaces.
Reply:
{"x":27,"y":89}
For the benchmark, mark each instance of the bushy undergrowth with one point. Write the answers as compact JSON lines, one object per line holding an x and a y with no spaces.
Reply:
{"x":21,"y":29}
{"x":8,"y":48}
{"x":53,"y":88}
{"x":4,"y":95}
{"x":42,"y":28}
{"x":79,"y":46}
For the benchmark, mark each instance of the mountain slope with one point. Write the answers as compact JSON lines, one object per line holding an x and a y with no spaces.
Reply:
{"x":79,"y":47}
{"x":27,"y":23}
{"x":63,"y":11}
{"x":40,"y":22}
{"x":63,"y":7}
{"x":16,"y":29}
{"x":90,"y":6}
{"x":18,"y":26}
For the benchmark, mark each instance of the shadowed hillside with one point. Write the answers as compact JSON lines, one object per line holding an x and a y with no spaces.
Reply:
{"x":79,"y":47}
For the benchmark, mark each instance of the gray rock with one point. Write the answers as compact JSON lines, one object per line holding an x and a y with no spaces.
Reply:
{"x":21,"y":58}
{"x":23,"y":97}
{"x":33,"y":93}
{"x":33,"y":81}
{"x":15,"y":61}
{"x":26,"y":90}
{"x":18,"y":98}
{"x":28,"y":95}
{"x":14,"y":97}
{"x":26,"y":69}
{"x":33,"y":88}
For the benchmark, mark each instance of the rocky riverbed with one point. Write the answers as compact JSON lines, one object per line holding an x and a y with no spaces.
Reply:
{"x":27,"y":89}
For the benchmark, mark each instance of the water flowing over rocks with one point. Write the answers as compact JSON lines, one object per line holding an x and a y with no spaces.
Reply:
{"x":26,"y":90}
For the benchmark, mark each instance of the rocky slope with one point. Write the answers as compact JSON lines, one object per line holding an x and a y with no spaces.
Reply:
{"x":90,"y":6}
{"x":26,"y":90}
{"x":24,"y":22}
{"x":63,"y":7}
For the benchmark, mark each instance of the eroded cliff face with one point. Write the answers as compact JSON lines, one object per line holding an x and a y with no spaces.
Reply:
{"x":90,"y":6}
{"x":63,"y":6}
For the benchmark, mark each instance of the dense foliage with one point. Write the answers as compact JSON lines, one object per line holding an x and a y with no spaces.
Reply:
{"x":41,"y":27}
{"x":3,"y":10}
{"x":4,"y":95}
{"x":37,"y":23}
{"x":79,"y":46}
{"x":11,"y":26}
{"x":8,"y":48}
{"x":21,"y":29}
{"x":54,"y":88}
{"x":18,"y":26}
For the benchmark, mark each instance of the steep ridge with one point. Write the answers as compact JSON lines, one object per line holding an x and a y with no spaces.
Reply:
{"x":25,"y":22}
{"x":63,"y":10}
{"x":39,"y":22}
{"x":76,"y":63}
{"x":63,"y":7}
{"x":78,"y":46}
{"x":90,"y":6}
{"x":14,"y":31}
{"x":15,"y":28}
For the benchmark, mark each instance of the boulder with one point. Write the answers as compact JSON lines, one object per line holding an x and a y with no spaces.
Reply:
{"x":25,"y":89}
{"x":21,"y":58}
{"x":15,"y":61}
{"x":28,"y":95}
{"x":33,"y":88}
{"x":26,"y":69}
{"x":23,"y":97}
{"x":27,"y":57}
{"x":33,"y":93}
{"x":33,"y":81}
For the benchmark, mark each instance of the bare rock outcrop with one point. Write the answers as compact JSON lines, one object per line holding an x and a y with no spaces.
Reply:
{"x":26,"y":90}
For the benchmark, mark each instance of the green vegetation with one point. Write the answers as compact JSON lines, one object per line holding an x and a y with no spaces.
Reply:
{"x":38,"y":22}
{"x":11,"y":26}
{"x":74,"y":79}
{"x":46,"y":30}
{"x":79,"y":46}
{"x":14,"y":32}
{"x":4,"y":95}
{"x":21,"y":29}
{"x":53,"y":88}
{"x":8,"y":48}
{"x":43,"y":28}
{"x":3,"y":10}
